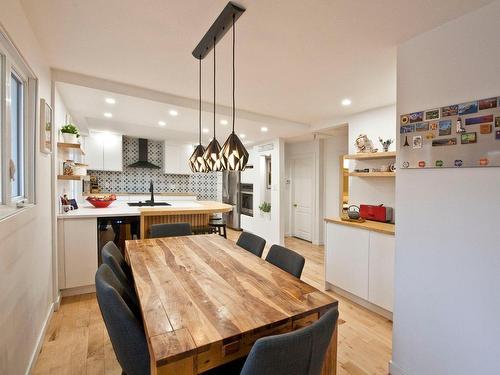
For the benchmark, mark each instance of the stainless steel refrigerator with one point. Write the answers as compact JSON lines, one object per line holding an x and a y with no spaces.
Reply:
{"x":231,"y":195}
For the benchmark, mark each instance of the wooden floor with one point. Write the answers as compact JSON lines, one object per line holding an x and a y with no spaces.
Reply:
{"x":76,"y":341}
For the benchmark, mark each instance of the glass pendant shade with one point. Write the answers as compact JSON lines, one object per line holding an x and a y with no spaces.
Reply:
{"x":211,"y":156}
{"x":233,"y":156}
{"x":196,"y":161}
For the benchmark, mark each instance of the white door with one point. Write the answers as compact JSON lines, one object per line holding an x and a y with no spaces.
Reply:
{"x":302,"y":197}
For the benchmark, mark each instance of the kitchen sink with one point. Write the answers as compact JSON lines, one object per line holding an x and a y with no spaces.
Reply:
{"x":141,"y":204}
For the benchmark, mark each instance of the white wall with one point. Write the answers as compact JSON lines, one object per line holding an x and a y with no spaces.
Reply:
{"x":447,"y":272}
{"x":25,"y":238}
{"x":273,"y":229}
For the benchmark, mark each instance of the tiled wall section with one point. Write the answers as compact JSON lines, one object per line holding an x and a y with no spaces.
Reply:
{"x":136,"y":180}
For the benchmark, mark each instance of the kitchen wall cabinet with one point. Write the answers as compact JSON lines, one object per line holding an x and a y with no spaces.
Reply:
{"x":77,"y":252}
{"x":361,"y":262}
{"x":176,"y":158}
{"x":104,"y":152}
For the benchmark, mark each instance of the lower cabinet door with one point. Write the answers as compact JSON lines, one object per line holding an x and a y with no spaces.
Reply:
{"x":381,"y":273}
{"x":347,"y":259}
{"x":80,"y":251}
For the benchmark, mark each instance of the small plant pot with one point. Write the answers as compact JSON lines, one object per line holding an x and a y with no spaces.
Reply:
{"x":265,"y":215}
{"x":69,"y":138}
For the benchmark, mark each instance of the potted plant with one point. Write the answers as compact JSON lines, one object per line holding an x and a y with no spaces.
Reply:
{"x":70,"y":133}
{"x":265,"y":209}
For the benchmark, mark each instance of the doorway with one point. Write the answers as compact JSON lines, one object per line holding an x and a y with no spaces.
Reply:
{"x":303,"y":190}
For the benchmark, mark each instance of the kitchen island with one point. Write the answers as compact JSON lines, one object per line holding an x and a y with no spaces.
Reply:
{"x":82,"y":233}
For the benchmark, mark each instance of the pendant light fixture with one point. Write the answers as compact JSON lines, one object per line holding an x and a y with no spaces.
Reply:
{"x":233,"y":156}
{"x":212,"y":152}
{"x":196,"y":161}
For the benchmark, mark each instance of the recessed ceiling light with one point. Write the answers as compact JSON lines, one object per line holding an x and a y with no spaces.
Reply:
{"x":345,"y":102}
{"x":108,"y":114}
{"x":205,"y":130}
{"x":263,"y":129}
{"x":110,"y":100}
{"x":242,"y":136}
{"x":223,"y":122}
{"x":162,"y":123}
{"x":173,"y":112}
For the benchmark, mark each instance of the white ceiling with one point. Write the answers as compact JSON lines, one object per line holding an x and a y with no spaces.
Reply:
{"x":139,"y":117}
{"x":296,"y":59}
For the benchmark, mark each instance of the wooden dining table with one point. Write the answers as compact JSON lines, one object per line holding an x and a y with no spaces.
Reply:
{"x":205,"y":301}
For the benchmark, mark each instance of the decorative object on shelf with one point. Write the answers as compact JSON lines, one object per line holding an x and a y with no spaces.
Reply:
{"x":376,"y":213}
{"x":353,"y":212}
{"x":392,"y":167}
{"x":80,"y":169}
{"x":233,"y":156}
{"x":70,"y":133}
{"x":466,"y":128}
{"x":68,"y":168}
{"x":101,"y":201}
{"x":386,"y":144}
{"x":364,"y":144}
{"x":364,"y":170}
{"x":196,"y":161}
{"x":344,"y":217}
{"x":212,"y":152}
{"x":45,"y":127}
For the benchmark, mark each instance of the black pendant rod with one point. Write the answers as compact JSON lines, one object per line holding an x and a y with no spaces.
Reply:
{"x":234,"y":104}
{"x":199,"y":107}
{"x":218,"y":29}
{"x":214,"y":86}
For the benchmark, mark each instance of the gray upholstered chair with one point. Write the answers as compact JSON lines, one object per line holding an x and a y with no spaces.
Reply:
{"x":127,"y":285}
{"x":115,"y":252}
{"x":124,"y":328}
{"x":286,"y":259}
{"x":170,"y":230}
{"x":252,"y":243}
{"x":300,"y":352}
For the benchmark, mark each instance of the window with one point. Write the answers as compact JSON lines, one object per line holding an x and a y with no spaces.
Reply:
{"x":18,"y":100}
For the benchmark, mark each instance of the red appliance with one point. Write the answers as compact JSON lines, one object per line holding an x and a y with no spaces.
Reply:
{"x":376,"y":213}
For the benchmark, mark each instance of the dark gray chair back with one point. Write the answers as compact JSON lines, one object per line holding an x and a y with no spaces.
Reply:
{"x":252,"y":243}
{"x":126,"y":284}
{"x":124,"y":328}
{"x":299,"y":352}
{"x":116,"y":253}
{"x":286,"y":259}
{"x":170,"y":230}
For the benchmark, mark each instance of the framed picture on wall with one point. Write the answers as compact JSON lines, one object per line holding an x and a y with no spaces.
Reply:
{"x":45,"y":127}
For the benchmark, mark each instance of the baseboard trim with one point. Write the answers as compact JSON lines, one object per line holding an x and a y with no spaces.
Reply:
{"x":78,"y":290}
{"x":57,"y":302}
{"x":395,"y":369}
{"x":39,"y":341}
{"x":360,"y":301}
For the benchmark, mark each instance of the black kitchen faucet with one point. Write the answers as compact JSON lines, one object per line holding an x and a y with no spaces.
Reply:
{"x":151,"y":190}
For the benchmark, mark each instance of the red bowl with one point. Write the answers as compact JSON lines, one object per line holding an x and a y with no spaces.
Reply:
{"x":99,"y":203}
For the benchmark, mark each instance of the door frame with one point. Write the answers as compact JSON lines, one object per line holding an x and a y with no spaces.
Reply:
{"x":312,"y":157}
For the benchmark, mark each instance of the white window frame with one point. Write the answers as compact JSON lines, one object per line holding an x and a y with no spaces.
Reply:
{"x":11,"y":62}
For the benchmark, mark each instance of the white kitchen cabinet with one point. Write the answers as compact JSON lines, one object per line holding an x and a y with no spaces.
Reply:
{"x":176,"y":158}
{"x":103,"y":152}
{"x":80,"y":252}
{"x":361,"y":262}
{"x":381,"y":273}
{"x":347,"y":259}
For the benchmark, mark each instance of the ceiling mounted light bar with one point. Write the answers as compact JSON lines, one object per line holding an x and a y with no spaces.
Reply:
{"x":218,"y":29}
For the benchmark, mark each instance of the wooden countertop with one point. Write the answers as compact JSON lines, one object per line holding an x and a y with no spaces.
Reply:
{"x":203,"y":207}
{"x":375,"y":226}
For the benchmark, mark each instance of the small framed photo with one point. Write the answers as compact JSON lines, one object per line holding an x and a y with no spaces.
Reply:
{"x":467,"y":108}
{"x":417,"y":141}
{"x":487,"y":103}
{"x":434,"y":125}
{"x":416,"y":117}
{"x":444,"y":142}
{"x":467,"y":138}
{"x":422,"y":127}
{"x":45,"y":127}
{"x":450,"y":110}
{"x":445,"y":127}
{"x":405,"y":119}
{"x":407,"y":129}
{"x":497,"y":122}
{"x":432,"y":114}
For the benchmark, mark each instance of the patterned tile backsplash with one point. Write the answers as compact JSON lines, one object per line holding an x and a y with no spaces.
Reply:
{"x":136,"y":180}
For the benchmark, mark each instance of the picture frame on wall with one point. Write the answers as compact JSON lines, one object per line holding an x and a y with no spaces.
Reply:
{"x":46,"y":125}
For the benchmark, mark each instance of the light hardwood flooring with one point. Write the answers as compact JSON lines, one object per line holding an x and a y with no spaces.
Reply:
{"x":76,"y":341}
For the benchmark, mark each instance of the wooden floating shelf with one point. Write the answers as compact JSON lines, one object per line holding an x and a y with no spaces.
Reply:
{"x":70,"y":146}
{"x":369,"y":156}
{"x":372,"y":174}
{"x":71,"y":178}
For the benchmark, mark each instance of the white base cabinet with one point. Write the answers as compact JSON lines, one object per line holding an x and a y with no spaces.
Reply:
{"x":361,"y":262}
{"x":77,"y":248}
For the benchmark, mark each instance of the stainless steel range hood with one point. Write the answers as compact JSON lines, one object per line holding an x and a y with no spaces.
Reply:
{"x":143,"y":156}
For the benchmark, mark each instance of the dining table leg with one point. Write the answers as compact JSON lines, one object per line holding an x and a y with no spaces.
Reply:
{"x":330,"y":363}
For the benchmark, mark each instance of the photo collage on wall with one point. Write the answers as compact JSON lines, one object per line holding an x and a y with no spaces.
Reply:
{"x":454,"y":136}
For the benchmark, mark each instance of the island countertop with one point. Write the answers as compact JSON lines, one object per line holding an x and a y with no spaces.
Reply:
{"x":118,"y":208}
